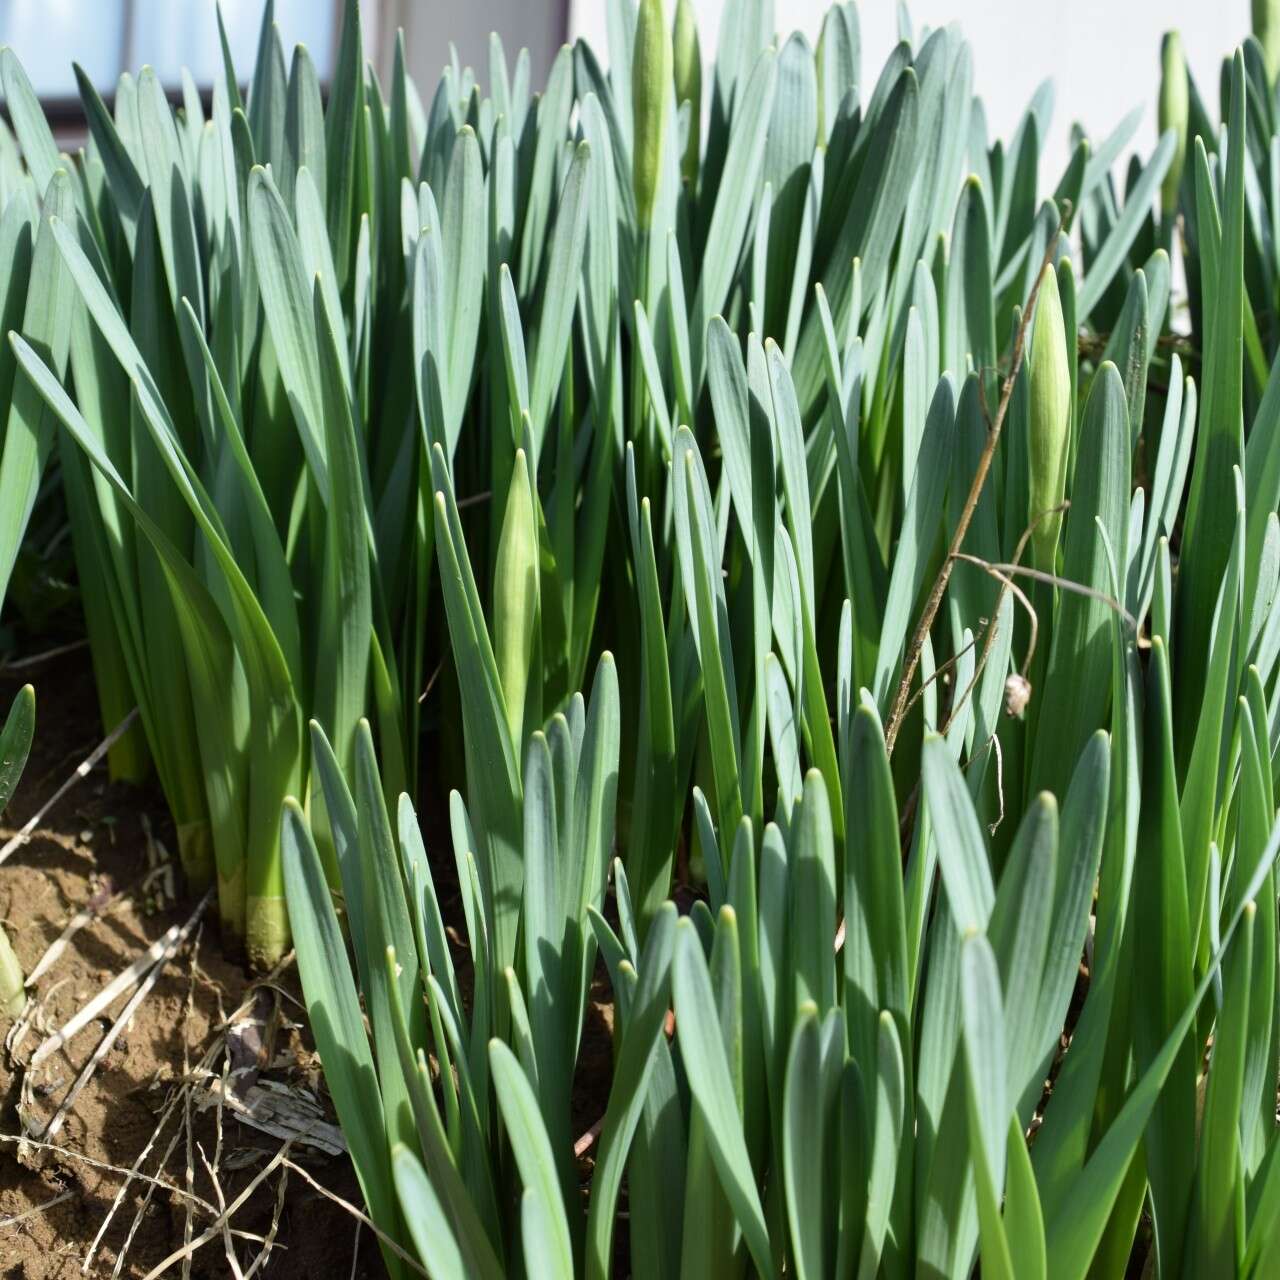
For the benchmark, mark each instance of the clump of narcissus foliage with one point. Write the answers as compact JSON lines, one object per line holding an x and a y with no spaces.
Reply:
{"x":918,"y":575}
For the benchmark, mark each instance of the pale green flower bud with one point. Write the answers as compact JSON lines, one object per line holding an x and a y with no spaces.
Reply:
{"x":1050,"y":419}
{"x":687,"y":63}
{"x":650,"y":88}
{"x":515,"y":597}
{"x":1173,"y":114}
{"x":1266,"y":26}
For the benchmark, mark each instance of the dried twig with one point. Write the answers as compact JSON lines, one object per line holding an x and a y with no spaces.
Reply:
{"x":270,"y":1242}
{"x":31,"y":1016}
{"x":189,"y":1171}
{"x":1005,"y":587}
{"x":35,"y":659}
{"x":82,"y":770}
{"x":126,"y":1017}
{"x":228,"y":1247}
{"x":181,"y":1096}
{"x":34,"y":1211}
{"x":355,"y":1250}
{"x":122,"y":982}
{"x":98,"y":905}
{"x":940,"y":671}
{"x":1002,"y":573}
{"x":939,"y":587}
{"x":995,"y":746}
{"x":22,"y":1140}
{"x":587,"y":1141}
{"x":1063,"y":584}
{"x":359,"y":1216}
{"x":190,"y":1200}
{"x":220,"y":1219}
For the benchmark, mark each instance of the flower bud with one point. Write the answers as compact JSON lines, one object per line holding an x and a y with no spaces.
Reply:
{"x":515,"y":597}
{"x":1173,"y":114}
{"x":1266,"y":27}
{"x":687,"y":65}
{"x":1050,"y":420}
{"x":650,"y":88}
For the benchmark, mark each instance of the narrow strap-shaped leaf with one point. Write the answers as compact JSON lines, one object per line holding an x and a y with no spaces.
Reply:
{"x":733,"y":202}
{"x":1018,"y":931}
{"x":339,"y":1030}
{"x":875,"y":948}
{"x":286,"y":299}
{"x":1220,"y":1175}
{"x":962,"y":852}
{"x":15,"y":742}
{"x":304,"y":139}
{"x":871,"y":220}
{"x":34,"y":135}
{"x":1164,"y":964}
{"x":698,"y":1032}
{"x":919,"y":531}
{"x":122,"y":175}
{"x":1137,"y":209}
{"x":813,"y":899}
{"x":532,"y":1150}
{"x":1200,"y":788}
{"x":1209,"y":525}
{"x":808,"y":1136}
{"x":28,"y":433}
{"x":346,"y":603}
{"x":708,"y":613}
{"x":1023,"y":1219}
{"x":493,"y":773}
{"x":987,"y":1093}
{"x":465,"y":1217}
{"x":651,"y":844}
{"x":555,"y":317}
{"x":1083,"y":830}
{"x":552,"y":118}
{"x":890,"y":1120}
{"x":636,"y":1062}
{"x":1073,"y":1232}
{"x":544,"y":930}
{"x":344,"y":124}
{"x":462,"y":227}
{"x":425,"y":1217}
{"x":1077,"y":683}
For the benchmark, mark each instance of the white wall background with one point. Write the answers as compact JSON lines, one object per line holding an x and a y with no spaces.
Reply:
{"x":1103,"y":55}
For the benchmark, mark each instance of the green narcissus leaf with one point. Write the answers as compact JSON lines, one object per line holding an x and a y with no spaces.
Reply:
{"x":713,"y":1093}
{"x":578,"y":460}
{"x":686,"y":57}
{"x":548,"y":1248}
{"x":1077,"y":683}
{"x":15,"y":742}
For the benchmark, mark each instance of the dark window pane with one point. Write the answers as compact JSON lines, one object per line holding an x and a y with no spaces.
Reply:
{"x":48,"y":35}
{"x":172,"y":34}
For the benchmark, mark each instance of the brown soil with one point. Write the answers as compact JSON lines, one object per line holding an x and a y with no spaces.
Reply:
{"x":92,"y":844}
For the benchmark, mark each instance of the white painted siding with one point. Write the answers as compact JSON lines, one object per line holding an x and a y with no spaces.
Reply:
{"x":1103,"y":55}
